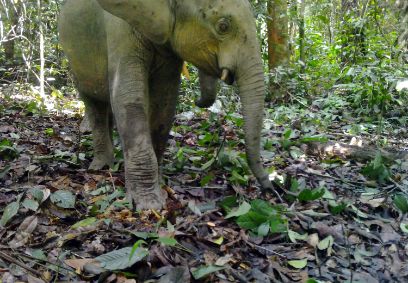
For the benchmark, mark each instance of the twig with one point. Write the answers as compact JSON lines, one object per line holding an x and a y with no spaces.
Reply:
{"x":334,"y":178}
{"x":255,"y":246}
{"x":48,"y":262}
{"x":19,"y":263}
{"x":405,"y":190}
{"x":190,"y":225}
{"x":263,"y":248}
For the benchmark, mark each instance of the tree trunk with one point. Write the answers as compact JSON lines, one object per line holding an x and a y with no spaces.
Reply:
{"x":278,"y":51}
{"x":301,"y":23}
{"x":9,"y":15}
{"x":42,"y":59}
{"x":403,"y":5}
{"x":349,"y":11}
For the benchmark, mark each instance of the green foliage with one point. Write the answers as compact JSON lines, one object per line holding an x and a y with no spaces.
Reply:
{"x":298,"y":264}
{"x":122,"y":258}
{"x":9,"y":212}
{"x":85,"y":222}
{"x":377,"y":170}
{"x":204,"y":271}
{"x":258,"y":216}
{"x":310,"y":195}
{"x":7,"y":150}
{"x":337,"y":209}
{"x":64,"y":199}
{"x":111,"y":198}
{"x":401,"y":202}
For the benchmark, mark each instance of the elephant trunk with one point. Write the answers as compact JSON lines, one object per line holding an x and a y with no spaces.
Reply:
{"x":250,"y":81}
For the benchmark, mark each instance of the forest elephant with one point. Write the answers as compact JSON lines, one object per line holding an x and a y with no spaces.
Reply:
{"x":127,"y":56}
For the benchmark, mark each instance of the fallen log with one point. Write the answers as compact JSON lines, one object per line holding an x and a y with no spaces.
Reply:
{"x":353,"y":152}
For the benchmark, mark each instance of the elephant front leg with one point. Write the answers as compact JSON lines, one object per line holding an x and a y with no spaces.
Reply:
{"x":141,"y":167}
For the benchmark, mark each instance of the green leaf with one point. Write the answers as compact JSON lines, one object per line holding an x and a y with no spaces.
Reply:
{"x":30,"y":204}
{"x":119,"y":259}
{"x":313,"y":139}
{"x":244,"y":208}
{"x":310,"y":195}
{"x":404,"y":227}
{"x":377,"y":170}
{"x":208,"y":164}
{"x":263,"y":229}
{"x":10,"y":210}
{"x":145,"y":235}
{"x":37,"y":194}
{"x":263,"y":207}
{"x":252,"y":220}
{"x":167,"y":241}
{"x":4,"y":171}
{"x":135,"y":247}
{"x":204,"y":271}
{"x":219,"y":241}
{"x":294,"y":236}
{"x":207,"y":179}
{"x":64,"y":199}
{"x":228,"y":203}
{"x":49,"y":131}
{"x":83,"y":223}
{"x":238,"y":178}
{"x":401,"y":202}
{"x":170,"y":227}
{"x":278,"y":225}
{"x":287,"y":134}
{"x":326,"y":243}
{"x":335,"y":210}
{"x":299,"y":264}
{"x":38,"y":254}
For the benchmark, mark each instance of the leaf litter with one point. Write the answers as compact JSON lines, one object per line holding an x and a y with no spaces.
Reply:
{"x":340,"y":221}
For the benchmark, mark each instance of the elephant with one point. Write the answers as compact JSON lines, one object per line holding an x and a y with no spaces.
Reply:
{"x":127,"y":56}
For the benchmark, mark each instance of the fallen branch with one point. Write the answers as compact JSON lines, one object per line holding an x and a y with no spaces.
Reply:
{"x":10,"y":259}
{"x":354,"y":152}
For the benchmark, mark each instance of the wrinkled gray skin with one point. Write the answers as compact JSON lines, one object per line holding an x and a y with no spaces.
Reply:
{"x":127,"y":56}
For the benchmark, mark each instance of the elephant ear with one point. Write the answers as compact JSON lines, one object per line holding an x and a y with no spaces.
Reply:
{"x":152,"y":18}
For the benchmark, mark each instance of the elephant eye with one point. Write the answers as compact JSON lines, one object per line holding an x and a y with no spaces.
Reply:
{"x":223,"y":26}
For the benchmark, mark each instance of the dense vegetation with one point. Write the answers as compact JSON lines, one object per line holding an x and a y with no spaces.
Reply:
{"x":334,"y":141}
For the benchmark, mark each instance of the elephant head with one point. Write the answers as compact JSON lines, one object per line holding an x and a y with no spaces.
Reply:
{"x":217,"y":36}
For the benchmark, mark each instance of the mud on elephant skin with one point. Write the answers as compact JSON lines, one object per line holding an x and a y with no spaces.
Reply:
{"x":127,"y":56}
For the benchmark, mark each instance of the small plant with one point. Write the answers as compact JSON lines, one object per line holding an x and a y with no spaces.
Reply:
{"x":377,"y":170}
{"x":8,"y":151}
{"x":401,"y":202}
{"x":258,"y":216}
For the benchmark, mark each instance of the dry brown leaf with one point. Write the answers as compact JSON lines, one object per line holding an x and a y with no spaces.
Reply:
{"x":32,"y":279}
{"x":374,"y":203}
{"x":78,"y":264}
{"x":24,"y":232}
{"x":313,"y":240}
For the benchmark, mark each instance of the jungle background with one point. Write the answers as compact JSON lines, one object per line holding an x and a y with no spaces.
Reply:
{"x":334,"y":142}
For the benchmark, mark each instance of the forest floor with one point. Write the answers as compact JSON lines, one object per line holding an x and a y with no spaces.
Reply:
{"x":339,"y":220}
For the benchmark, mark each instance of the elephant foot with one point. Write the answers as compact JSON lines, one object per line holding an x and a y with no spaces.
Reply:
{"x":100,"y":163}
{"x":153,"y":198}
